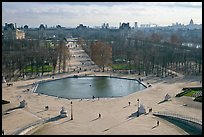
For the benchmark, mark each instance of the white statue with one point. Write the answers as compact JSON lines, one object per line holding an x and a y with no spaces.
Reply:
{"x":3,"y":80}
{"x":167,"y":97}
{"x":23,"y":104}
{"x":63,"y":112}
{"x":142,"y":109}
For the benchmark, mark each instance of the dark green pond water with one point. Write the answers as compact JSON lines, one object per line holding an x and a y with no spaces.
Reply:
{"x":87,"y":87}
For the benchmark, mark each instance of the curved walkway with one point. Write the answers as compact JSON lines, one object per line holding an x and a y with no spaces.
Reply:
{"x":194,"y":120}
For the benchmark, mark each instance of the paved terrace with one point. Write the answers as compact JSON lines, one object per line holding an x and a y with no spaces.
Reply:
{"x":115,"y":111}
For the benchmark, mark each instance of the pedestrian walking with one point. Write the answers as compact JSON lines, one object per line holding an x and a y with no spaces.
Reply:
{"x":150,"y":110}
{"x":157,"y":123}
{"x":99,"y":115}
{"x":129,"y":103}
{"x":46,"y":107}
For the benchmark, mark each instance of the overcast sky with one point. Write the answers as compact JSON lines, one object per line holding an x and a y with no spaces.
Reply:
{"x":71,"y":14}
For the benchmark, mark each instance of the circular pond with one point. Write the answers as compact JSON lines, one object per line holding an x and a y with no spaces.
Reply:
{"x":87,"y":87}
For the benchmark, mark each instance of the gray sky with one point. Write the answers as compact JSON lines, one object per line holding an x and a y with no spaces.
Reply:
{"x":71,"y":14}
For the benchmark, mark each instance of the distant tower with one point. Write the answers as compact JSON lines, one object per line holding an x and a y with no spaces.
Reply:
{"x":191,"y":22}
{"x":107,"y":25}
{"x":136,"y":25}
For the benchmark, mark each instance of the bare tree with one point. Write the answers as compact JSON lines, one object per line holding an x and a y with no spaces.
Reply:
{"x":101,"y":54}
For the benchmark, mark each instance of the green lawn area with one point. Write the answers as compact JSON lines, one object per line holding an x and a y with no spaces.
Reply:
{"x":125,"y":67}
{"x":46,"y":68}
{"x":120,"y":66}
{"x":189,"y":94}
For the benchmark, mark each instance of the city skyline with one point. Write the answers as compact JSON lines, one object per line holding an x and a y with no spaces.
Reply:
{"x":71,"y":14}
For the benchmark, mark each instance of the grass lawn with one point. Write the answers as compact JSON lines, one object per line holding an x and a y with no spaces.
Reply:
{"x":120,"y":66}
{"x":46,"y":68}
{"x":189,"y":94}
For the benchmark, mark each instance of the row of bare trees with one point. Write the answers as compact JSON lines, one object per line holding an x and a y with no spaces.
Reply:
{"x":63,"y":55}
{"x":156,"y":58}
{"x":101,"y":54}
{"x":18,"y":55}
{"x":149,"y":56}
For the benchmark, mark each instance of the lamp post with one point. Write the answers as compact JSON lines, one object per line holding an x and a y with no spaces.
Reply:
{"x":71,"y":112}
{"x":129,"y":66}
{"x":138,"y":107}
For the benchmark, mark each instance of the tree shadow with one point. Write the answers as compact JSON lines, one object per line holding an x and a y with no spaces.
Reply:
{"x":10,"y":109}
{"x":147,"y":113}
{"x":133,"y":115}
{"x":163,"y":101}
{"x":125,"y":106}
{"x":116,"y":125}
{"x":95,"y":119}
{"x":54,"y":118}
{"x":155,"y":126}
{"x":40,"y":111}
{"x":106,"y":129}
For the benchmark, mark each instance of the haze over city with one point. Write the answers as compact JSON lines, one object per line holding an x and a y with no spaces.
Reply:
{"x":71,"y":14}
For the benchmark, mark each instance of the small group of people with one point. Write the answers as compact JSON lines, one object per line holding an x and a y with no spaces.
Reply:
{"x":140,"y":79}
{"x":46,"y":107}
{"x":94,"y":97}
{"x":9,"y":84}
{"x":149,"y":85}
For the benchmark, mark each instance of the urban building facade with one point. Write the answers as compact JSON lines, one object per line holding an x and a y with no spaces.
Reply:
{"x":12,"y":32}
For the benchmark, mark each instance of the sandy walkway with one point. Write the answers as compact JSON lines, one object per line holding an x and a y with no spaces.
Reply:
{"x":116,"y":114}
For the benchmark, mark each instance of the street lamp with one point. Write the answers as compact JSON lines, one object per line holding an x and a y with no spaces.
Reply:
{"x":138,"y":107}
{"x":71,"y":112}
{"x":129,"y":65}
